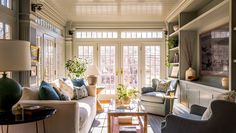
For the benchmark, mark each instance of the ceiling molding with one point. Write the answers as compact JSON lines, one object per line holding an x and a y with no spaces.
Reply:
{"x":121,"y":25}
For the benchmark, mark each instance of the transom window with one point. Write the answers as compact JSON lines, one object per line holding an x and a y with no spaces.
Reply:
{"x":144,"y":35}
{"x":96,"y":34}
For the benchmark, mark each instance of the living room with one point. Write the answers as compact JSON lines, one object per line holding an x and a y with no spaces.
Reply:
{"x":97,"y":66}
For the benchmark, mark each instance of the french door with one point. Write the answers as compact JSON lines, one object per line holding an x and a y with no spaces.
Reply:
{"x":131,"y":64}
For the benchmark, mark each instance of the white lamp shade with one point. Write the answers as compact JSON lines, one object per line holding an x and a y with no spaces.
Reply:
{"x":92,"y":70}
{"x":14,"y":55}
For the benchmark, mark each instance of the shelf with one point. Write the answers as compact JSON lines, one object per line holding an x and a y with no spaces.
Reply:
{"x":174,"y":49}
{"x":219,"y":12}
{"x":174,"y":64}
{"x":174,"y":33}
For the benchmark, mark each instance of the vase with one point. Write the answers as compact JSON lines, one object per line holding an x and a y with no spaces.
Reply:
{"x":125,"y":101}
{"x":190,"y":74}
{"x":225,"y":82}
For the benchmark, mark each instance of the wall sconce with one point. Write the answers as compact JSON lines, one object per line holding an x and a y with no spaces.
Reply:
{"x":35,"y":7}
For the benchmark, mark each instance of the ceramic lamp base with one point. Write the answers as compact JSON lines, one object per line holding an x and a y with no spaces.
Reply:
{"x":92,"y":80}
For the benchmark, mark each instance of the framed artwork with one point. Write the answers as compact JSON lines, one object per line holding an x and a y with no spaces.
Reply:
{"x":34,"y":53}
{"x":214,"y":52}
{"x":33,"y":71}
{"x":174,"y":72}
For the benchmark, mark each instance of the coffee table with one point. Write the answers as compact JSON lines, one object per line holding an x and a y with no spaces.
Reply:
{"x":135,"y":109}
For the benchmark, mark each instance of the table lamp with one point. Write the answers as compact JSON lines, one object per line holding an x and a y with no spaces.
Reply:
{"x":91,"y":73}
{"x":14,"y":56}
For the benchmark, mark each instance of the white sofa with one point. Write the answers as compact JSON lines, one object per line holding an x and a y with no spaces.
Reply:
{"x":74,"y":116}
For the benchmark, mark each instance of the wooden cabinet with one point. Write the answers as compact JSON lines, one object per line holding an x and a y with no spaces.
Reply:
{"x":195,"y":93}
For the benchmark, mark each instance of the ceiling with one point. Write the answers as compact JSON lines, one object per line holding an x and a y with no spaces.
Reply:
{"x":114,"y":10}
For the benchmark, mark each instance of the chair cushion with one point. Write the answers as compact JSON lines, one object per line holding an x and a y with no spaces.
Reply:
{"x":86,"y":107}
{"x":228,"y":96}
{"x":156,"y":97}
{"x":46,"y":92}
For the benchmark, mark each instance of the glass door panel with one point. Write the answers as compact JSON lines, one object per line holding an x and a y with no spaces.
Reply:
{"x":130,"y":66}
{"x":152,"y":64}
{"x":107,"y":66}
{"x":87,"y":53}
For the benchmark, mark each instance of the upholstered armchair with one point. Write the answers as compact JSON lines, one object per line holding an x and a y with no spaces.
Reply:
{"x":222,"y":120}
{"x":155,"y":101}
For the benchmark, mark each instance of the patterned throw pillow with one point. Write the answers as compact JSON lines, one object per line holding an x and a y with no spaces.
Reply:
{"x":66,"y":88}
{"x":80,"y":92}
{"x":228,"y":96}
{"x":163,"y":86}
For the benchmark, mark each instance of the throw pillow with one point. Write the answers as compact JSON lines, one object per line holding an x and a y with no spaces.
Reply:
{"x":80,"y":92}
{"x":155,"y":83}
{"x":66,"y":87}
{"x":163,"y":86}
{"x":78,"y":82}
{"x":30,"y":94}
{"x":228,"y":96}
{"x":46,"y":92}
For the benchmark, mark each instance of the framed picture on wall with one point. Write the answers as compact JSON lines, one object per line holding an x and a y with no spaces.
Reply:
{"x":34,"y":53}
{"x":33,"y":71}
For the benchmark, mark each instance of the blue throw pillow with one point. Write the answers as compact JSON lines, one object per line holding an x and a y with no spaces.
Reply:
{"x":78,"y":82}
{"x":46,"y":92}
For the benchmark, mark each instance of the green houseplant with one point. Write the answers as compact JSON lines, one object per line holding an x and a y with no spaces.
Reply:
{"x":172,"y":42}
{"x":124,"y":94}
{"x":76,"y":67}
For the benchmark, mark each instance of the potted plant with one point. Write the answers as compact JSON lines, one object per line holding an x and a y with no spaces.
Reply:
{"x":76,"y":67}
{"x":125,"y":94}
{"x":172,"y":42}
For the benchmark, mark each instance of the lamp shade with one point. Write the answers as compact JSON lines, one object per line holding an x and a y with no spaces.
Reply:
{"x":92,"y":70}
{"x":14,"y":55}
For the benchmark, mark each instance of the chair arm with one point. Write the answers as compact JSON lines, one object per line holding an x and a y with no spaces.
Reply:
{"x":169,"y":91}
{"x":147,"y":89}
{"x":197,"y":110}
{"x":176,"y":124}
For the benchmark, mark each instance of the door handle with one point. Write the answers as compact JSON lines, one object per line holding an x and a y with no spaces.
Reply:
{"x":121,"y":71}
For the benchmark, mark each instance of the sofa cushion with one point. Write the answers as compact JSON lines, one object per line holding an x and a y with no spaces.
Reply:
{"x":66,"y":88}
{"x":228,"y":96}
{"x":78,"y":82}
{"x":156,"y":97}
{"x":46,"y":92}
{"x":86,"y":107}
{"x":80,"y":92}
{"x":30,"y":94}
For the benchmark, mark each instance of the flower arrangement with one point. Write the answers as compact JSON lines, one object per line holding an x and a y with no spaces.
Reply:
{"x":76,"y":67}
{"x":124,"y":94}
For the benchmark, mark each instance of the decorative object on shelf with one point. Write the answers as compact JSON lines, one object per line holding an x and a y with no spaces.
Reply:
{"x":76,"y":67}
{"x":190,"y":74}
{"x":175,"y":27}
{"x":214,"y":51}
{"x":125,"y":94}
{"x":92,"y":73}
{"x":176,"y":58}
{"x":172,"y":42}
{"x":174,"y":72}
{"x":14,"y":56}
{"x":225,"y":82}
{"x":34,"y":53}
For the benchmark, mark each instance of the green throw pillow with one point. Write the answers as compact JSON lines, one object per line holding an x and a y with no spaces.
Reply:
{"x":80,"y":92}
{"x":46,"y":92}
{"x":163,"y":86}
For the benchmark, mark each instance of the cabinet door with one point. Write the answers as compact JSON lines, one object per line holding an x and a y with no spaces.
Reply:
{"x":193,"y":94}
{"x":205,"y":97}
{"x":183,"y":93}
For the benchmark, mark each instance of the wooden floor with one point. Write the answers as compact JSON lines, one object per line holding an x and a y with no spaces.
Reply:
{"x":154,"y":121}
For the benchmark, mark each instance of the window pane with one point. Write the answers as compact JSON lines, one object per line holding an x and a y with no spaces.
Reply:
{"x":86,"y":52}
{"x":7,"y":32}
{"x":1,"y":31}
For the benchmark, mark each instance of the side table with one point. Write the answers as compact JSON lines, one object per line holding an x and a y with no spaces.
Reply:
{"x":33,"y":115}
{"x":100,"y":109}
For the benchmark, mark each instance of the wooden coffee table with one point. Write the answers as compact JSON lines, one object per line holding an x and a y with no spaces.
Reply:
{"x":134,"y":110}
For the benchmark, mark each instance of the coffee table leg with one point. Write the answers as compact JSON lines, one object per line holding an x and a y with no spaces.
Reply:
{"x":109,"y":123}
{"x":145,"y":123}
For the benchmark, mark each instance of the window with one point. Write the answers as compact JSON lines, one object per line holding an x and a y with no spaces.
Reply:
{"x":5,"y":31}
{"x":94,"y":35}
{"x":6,"y":3}
{"x":86,"y":52}
{"x":44,"y":23}
{"x":143,"y":35}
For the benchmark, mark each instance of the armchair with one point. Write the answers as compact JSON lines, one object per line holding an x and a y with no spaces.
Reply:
{"x":155,"y":102}
{"x":222,"y":120}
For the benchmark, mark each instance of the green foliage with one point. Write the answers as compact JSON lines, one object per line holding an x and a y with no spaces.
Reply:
{"x":172,"y":42}
{"x":167,"y":62}
{"x":76,"y":67}
{"x":123,"y":92}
